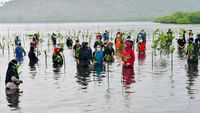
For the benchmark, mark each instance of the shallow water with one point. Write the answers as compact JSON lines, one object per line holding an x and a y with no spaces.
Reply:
{"x":157,"y":87}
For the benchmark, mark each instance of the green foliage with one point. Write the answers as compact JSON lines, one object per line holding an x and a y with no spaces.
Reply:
{"x":180,"y":18}
{"x":59,"y":35}
{"x":164,"y":42}
{"x":181,"y":31}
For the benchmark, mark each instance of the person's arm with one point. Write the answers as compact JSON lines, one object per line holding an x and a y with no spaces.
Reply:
{"x":133,"y":55}
{"x":15,"y":80}
{"x":24,"y":51}
{"x":93,"y":57}
{"x":95,"y":45}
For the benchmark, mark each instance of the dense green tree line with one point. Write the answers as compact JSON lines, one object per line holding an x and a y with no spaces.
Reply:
{"x":180,"y":18}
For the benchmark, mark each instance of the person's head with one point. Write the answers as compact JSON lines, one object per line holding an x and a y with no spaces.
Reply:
{"x":17,"y":37}
{"x":129,"y":37}
{"x":99,"y":37}
{"x":127,"y":45}
{"x":119,"y":34}
{"x":109,"y":45}
{"x":56,"y":50}
{"x":169,"y":30}
{"x":68,"y":37}
{"x":12,"y":63}
{"x":98,"y":47}
{"x":191,"y":40}
{"x":85,"y":44}
{"x":77,"y":42}
{"x":181,"y":37}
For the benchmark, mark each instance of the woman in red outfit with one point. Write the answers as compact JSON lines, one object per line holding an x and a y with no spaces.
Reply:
{"x":128,"y":55}
{"x":141,"y":47}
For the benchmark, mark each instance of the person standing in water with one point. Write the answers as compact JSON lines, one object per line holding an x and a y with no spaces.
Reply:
{"x":192,"y":51}
{"x":106,"y":36}
{"x":12,"y":80}
{"x":76,"y":49}
{"x":85,"y":56}
{"x":128,"y":58}
{"x":32,"y":56}
{"x":33,"y":43}
{"x":109,"y":53}
{"x":98,"y":56}
{"x":141,"y":47}
{"x":119,"y":41}
{"x":57,"y":58}
{"x":141,"y":34}
{"x":53,"y":38}
{"x":69,"y":42}
{"x":17,"y":40}
{"x":128,"y":39}
{"x":181,"y":45}
{"x":19,"y":53}
{"x":197,"y":41}
{"x":99,"y":41}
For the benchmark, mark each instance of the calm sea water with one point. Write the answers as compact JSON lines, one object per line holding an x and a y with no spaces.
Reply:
{"x":159,"y":85}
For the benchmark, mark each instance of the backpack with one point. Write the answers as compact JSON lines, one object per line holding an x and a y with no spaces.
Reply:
{"x":99,"y":57}
{"x":83,"y":54}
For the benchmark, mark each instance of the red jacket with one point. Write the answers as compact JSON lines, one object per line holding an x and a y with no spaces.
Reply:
{"x":141,"y":47}
{"x":128,"y":55}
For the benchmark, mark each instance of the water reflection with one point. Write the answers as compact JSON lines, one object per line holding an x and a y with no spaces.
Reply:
{"x":128,"y":76}
{"x":57,"y":73}
{"x":192,"y":73}
{"x":32,"y":68}
{"x":141,"y":58}
{"x":83,"y":76}
{"x":12,"y":96}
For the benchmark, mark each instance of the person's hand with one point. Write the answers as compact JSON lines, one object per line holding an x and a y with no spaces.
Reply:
{"x":123,"y":62}
{"x":128,"y":64}
{"x":21,"y":82}
{"x":94,"y":62}
{"x":78,"y":62}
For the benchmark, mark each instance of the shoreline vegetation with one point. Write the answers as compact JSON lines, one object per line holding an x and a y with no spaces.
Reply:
{"x":180,"y":18}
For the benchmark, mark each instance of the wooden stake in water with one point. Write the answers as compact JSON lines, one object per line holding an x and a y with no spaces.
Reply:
{"x":172,"y":61}
{"x":108,"y":75}
{"x":64,"y":62}
{"x":45,"y":53}
{"x":3,"y":49}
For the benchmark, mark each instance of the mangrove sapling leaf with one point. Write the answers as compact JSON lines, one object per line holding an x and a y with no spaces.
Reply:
{"x":163,"y":43}
{"x":59,"y":35}
{"x":181,"y":31}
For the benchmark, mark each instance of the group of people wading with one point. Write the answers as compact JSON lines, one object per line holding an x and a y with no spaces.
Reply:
{"x":104,"y":52}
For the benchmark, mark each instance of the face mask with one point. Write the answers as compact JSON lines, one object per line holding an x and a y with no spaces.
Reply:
{"x":98,"y":49}
{"x":118,"y":35}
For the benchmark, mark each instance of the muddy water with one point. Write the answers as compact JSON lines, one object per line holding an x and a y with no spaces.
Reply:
{"x":159,"y":85}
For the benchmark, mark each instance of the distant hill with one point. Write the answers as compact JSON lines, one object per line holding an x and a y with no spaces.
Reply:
{"x":91,"y":10}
